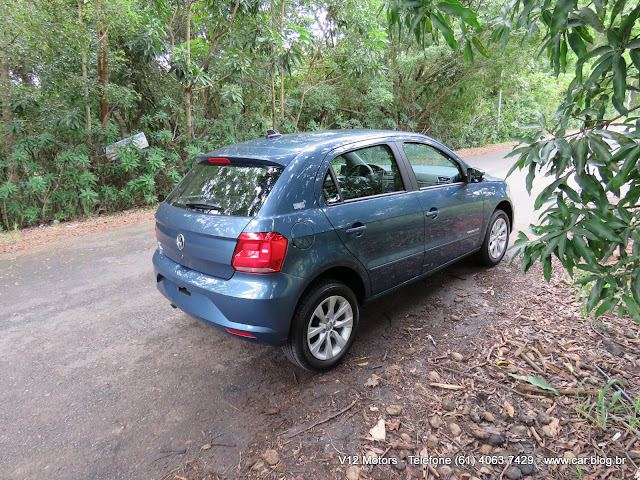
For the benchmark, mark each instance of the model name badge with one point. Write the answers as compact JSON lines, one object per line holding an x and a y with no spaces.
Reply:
{"x":298,"y":206}
{"x":473,"y":231}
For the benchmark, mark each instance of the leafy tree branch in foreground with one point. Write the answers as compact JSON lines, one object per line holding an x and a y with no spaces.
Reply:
{"x":590,"y":217}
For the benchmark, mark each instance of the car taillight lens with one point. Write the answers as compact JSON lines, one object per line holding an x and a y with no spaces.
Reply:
{"x":259,"y":252}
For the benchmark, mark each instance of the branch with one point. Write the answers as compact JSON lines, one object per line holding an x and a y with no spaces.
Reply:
{"x":606,"y":123}
{"x":213,"y":83}
{"x":214,"y":41}
{"x":306,"y":80}
{"x":320,"y":422}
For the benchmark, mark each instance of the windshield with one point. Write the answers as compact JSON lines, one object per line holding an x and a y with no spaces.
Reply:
{"x":225,"y":189}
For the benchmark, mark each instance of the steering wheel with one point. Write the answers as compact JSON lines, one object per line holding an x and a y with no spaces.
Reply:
{"x":360,"y":170}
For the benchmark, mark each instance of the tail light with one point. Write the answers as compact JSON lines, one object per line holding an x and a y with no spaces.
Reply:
{"x":259,"y":252}
{"x":219,"y":161}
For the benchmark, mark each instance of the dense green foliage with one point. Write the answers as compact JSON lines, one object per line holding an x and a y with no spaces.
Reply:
{"x":77,"y":76}
{"x":590,"y":216}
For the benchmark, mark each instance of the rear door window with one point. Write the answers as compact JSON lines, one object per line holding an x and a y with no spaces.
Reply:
{"x":431,"y":166}
{"x":225,"y":189}
{"x":363,"y":173}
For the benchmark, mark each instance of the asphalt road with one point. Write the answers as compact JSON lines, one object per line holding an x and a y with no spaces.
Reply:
{"x":495,"y":164}
{"x":100,"y":377}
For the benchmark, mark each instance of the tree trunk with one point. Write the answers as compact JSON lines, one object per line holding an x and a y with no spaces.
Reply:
{"x":188,"y":87}
{"x":187,"y":103}
{"x":216,"y":105}
{"x":274,"y":110}
{"x":272,"y":76}
{"x":123,"y":126}
{"x":85,"y":92}
{"x":7,"y":113}
{"x":85,"y":86}
{"x":103,"y":74}
{"x":7,"y":118}
{"x":207,"y":102}
{"x":281,"y":66}
{"x":306,"y":81}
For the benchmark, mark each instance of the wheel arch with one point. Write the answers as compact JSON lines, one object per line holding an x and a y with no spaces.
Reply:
{"x":345,"y":274}
{"x":342,"y":273}
{"x":507,"y":208}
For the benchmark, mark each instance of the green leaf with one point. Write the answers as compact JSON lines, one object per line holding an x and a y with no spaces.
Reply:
{"x":479,"y":46}
{"x":440,"y":23}
{"x":620,"y":108}
{"x":605,"y":306}
{"x":454,"y":7}
{"x":590,"y":17}
{"x":586,"y":279}
{"x":595,"y":294}
{"x":564,"y":210}
{"x":571,"y":193}
{"x":617,"y":8}
{"x":577,"y":44}
{"x":530,"y":177}
{"x":635,"y":57}
{"x":560,"y":15}
{"x":596,"y":52}
{"x":504,"y":40}
{"x":612,"y":37}
{"x":546,"y":193}
{"x":632,"y":307}
{"x":535,"y":381}
{"x":627,"y":167}
{"x":619,"y":77}
{"x":563,"y":56}
{"x":603,"y":66}
{"x":580,"y":155}
{"x":596,"y":226}
{"x":627,"y":24}
{"x":600,"y":148}
{"x":547,"y":269}
{"x":468,"y":52}
{"x":578,"y":242}
{"x":635,"y":288}
{"x":585,"y":34}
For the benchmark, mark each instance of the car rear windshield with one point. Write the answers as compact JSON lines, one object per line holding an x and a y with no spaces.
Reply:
{"x":225,"y":189}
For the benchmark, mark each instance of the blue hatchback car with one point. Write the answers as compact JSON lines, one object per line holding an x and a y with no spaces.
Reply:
{"x":280,"y":240}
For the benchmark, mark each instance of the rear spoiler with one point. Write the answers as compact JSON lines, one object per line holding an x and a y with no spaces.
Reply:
{"x":238,"y":161}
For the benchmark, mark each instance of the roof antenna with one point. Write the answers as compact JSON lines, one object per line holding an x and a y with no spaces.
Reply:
{"x":273,"y":134}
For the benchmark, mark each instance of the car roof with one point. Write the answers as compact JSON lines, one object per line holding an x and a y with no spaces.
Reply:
{"x":283,"y":149}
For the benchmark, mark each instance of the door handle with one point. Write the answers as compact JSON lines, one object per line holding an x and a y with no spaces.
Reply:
{"x":433,"y":213}
{"x":357,"y":229}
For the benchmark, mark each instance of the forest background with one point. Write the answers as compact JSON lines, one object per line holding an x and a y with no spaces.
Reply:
{"x":193,"y":75}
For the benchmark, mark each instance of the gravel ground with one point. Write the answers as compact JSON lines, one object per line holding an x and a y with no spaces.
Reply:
{"x":446,"y":383}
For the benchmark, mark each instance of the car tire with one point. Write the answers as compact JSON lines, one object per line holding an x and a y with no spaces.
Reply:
{"x":323,"y":327}
{"x":496,"y":239}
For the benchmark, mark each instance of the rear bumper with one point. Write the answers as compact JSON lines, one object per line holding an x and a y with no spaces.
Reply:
{"x":261,"y":305}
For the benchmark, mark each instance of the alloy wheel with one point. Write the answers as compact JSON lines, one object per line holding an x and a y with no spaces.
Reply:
{"x":330,"y":327}
{"x":498,"y":238}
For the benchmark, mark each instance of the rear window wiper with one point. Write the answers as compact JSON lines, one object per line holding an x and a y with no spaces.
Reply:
{"x":203,"y":206}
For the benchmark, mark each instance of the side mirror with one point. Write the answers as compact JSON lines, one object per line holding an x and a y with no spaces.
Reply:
{"x":474,"y":175}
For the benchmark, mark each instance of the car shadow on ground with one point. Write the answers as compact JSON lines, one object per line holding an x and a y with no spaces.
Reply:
{"x":263,"y":381}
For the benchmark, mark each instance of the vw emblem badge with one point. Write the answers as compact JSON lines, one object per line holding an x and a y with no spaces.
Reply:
{"x":180,"y":241}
